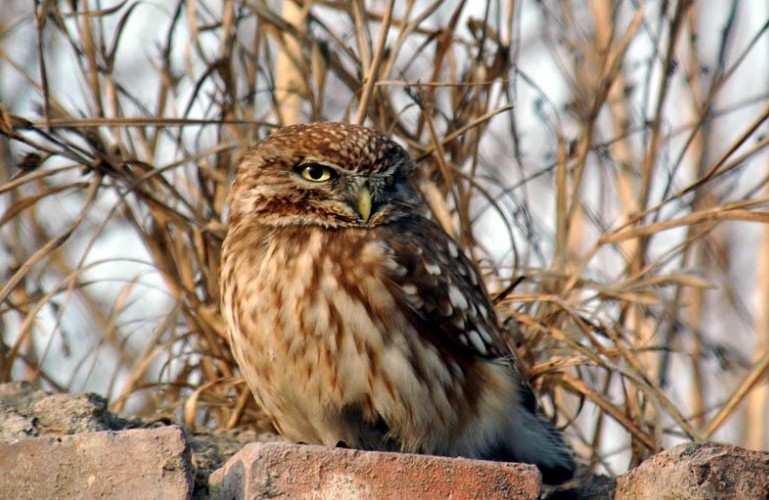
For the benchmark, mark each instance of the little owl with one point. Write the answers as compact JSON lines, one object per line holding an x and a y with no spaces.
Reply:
{"x":356,"y":320}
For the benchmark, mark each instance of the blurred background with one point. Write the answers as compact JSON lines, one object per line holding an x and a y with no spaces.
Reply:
{"x":604,"y":162}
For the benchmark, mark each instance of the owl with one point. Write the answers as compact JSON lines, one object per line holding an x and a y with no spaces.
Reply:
{"x":356,"y":320}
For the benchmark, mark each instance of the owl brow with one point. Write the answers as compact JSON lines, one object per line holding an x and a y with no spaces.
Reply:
{"x":354,"y":174}
{"x":308,"y":160}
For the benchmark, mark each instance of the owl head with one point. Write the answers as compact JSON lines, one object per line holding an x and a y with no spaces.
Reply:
{"x":333,"y":175}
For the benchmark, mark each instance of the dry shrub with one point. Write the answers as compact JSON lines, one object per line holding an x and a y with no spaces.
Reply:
{"x":604,"y":162}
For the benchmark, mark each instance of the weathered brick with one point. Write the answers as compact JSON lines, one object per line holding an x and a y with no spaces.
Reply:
{"x":266,"y":470}
{"x":698,"y":472}
{"x":140,"y":463}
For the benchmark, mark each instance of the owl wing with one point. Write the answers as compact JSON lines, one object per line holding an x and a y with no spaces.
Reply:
{"x":443,"y":289}
{"x":448,"y":302}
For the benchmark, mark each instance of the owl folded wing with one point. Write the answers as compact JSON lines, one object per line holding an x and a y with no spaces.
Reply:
{"x":443,"y":289}
{"x":449,"y":303}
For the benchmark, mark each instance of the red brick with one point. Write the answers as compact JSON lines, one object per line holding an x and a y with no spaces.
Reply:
{"x":698,"y":472}
{"x":297,"y":471}
{"x":139,"y":463}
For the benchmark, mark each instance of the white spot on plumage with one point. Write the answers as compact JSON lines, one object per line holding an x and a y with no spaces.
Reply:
{"x":453,"y":249}
{"x":409,"y":289}
{"x":433,"y":269}
{"x":477,"y":342}
{"x":457,"y":298}
{"x":396,"y":269}
{"x":463,"y":339}
{"x":416,"y":302}
{"x":484,"y":334}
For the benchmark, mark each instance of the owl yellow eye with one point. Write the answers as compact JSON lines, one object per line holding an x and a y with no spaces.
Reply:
{"x":316,"y":173}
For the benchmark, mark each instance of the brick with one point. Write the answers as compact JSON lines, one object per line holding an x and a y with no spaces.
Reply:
{"x":698,"y":472}
{"x":267,"y":470}
{"x":139,"y":463}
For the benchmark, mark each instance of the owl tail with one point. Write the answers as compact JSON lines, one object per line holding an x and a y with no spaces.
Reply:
{"x":534,"y":440}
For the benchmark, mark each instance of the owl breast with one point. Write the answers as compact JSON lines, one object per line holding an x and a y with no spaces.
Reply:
{"x":331,"y":354}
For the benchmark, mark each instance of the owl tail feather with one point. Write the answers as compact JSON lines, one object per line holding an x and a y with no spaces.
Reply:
{"x":534,"y":440}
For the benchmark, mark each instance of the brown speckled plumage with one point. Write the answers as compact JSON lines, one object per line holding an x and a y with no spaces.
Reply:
{"x":357,"y":320}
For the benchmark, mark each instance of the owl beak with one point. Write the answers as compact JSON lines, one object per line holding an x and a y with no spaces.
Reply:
{"x":364,"y":203}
